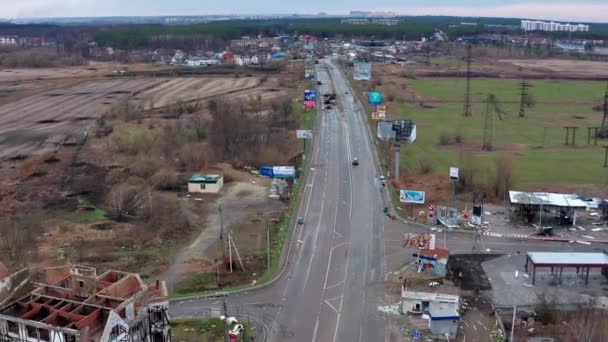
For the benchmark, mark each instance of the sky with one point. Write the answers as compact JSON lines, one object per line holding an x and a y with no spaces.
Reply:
{"x":563,"y":10}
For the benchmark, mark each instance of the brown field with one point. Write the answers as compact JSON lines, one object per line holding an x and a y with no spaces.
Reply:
{"x":562,"y":66}
{"x":42,"y":122}
{"x":189,"y":89}
{"x":501,"y":68}
{"x":93,"y":69}
{"x":50,"y":118}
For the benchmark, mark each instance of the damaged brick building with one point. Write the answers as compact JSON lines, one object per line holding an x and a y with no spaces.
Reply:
{"x":77,"y":305}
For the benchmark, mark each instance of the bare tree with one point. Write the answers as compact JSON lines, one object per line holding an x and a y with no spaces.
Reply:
{"x":18,"y":236}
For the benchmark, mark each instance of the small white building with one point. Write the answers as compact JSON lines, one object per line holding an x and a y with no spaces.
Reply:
{"x":441,"y":310}
{"x":205,"y":184}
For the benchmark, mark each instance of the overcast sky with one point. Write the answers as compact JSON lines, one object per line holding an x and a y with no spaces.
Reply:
{"x":565,"y":10}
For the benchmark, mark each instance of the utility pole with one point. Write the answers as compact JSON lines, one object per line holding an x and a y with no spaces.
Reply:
{"x":221,"y":222}
{"x":513,"y":323}
{"x":268,"y":242}
{"x":230,"y":250}
{"x":227,"y":334}
{"x":467,"y":95}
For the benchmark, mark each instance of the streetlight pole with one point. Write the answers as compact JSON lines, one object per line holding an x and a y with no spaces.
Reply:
{"x":268,"y":242}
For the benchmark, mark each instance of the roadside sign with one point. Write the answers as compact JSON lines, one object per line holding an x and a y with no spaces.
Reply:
{"x":454,"y":173}
{"x":430,"y":214}
{"x":379,"y":113}
{"x":416,"y":335}
{"x":419,"y":241}
{"x":411,"y":196}
{"x":375,"y":98}
{"x":304,"y":134}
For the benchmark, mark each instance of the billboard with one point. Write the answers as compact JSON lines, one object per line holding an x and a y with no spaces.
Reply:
{"x":309,"y":72}
{"x":411,"y":196}
{"x":304,"y":134}
{"x":375,"y":98}
{"x":379,"y":113}
{"x":362,"y":71}
{"x":419,"y":241}
{"x":284,"y":172}
{"x":310,"y":95}
{"x":310,"y":99}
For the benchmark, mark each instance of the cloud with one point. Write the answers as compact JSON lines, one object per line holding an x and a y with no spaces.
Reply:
{"x":555,"y":11}
{"x":36,"y":8}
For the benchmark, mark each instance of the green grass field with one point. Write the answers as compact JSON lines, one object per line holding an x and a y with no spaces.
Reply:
{"x":536,"y":141}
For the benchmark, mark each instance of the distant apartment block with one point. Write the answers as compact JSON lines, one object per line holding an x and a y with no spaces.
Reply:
{"x":372,"y":14}
{"x":534,"y":25}
{"x":387,"y":22}
{"x":77,"y":305}
{"x":9,"y":40}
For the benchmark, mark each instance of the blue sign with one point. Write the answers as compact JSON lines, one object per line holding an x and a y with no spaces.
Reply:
{"x":310,"y":95}
{"x":278,"y":55}
{"x":411,"y":196}
{"x":375,"y":98}
{"x":267,"y":171}
{"x":416,"y":335}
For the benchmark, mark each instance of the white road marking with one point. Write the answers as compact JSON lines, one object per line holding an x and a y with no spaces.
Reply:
{"x":329,"y":262}
{"x":314,"y":335}
{"x":331,"y":306}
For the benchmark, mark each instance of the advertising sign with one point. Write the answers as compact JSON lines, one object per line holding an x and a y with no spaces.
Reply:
{"x":304,"y":134}
{"x":362,"y":71}
{"x":419,"y":241}
{"x":375,"y":98}
{"x":411,"y":196}
{"x":310,"y":95}
{"x":309,"y":104}
{"x":453,"y":173}
{"x":379,"y":113}
{"x":284,"y":172}
{"x":310,"y":99}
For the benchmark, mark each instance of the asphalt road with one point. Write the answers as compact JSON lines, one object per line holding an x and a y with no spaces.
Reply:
{"x":334,"y":281}
{"x":333,"y":284}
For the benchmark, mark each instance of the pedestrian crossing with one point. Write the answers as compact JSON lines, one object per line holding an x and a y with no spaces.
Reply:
{"x":494,"y":234}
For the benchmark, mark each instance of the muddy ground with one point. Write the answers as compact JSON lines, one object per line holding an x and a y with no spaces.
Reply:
{"x":47,"y":167}
{"x":244,"y":205}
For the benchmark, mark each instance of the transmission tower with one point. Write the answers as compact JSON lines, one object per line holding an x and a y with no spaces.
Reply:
{"x":523,"y":92}
{"x":467,"y":93}
{"x":603,"y":127}
{"x":492,"y":109}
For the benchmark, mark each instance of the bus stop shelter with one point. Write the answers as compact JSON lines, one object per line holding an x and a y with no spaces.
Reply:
{"x":557,"y":261}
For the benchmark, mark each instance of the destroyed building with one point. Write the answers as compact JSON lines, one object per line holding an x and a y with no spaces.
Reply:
{"x":77,"y":305}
